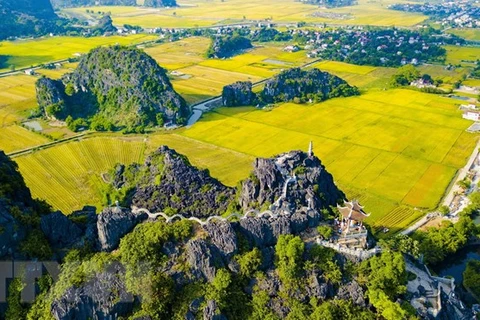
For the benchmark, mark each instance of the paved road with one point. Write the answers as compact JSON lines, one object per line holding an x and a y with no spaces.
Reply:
{"x":212,"y":103}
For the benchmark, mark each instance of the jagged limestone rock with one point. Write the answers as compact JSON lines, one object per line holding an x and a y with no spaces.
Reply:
{"x":222,"y":235}
{"x":305,"y":85}
{"x":203,"y":259}
{"x":167,"y":182}
{"x":103,"y":297}
{"x":59,"y":230}
{"x":113,"y":223}
{"x":238,"y":94}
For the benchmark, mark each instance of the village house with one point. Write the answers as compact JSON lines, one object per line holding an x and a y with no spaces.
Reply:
{"x":471,"y":115}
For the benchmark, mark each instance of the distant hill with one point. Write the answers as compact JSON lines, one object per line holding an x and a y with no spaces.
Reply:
{"x":303,"y":85}
{"x":113,"y":88}
{"x":27,"y":18}
{"x":227,"y":46}
{"x":82,"y":3}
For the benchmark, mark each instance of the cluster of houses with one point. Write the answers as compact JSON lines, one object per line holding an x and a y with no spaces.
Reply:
{"x":462,"y":14}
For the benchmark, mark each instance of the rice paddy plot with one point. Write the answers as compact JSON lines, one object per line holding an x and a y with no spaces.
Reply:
{"x":13,"y":138}
{"x":466,"y":33}
{"x":17,"y":96}
{"x":198,"y":13}
{"x":180,"y":54}
{"x":68,"y":175}
{"x":462,"y":55}
{"x":472,"y":83}
{"x":440,"y":72}
{"x":360,"y":76}
{"x":24,"y":53}
{"x":208,"y":81}
{"x":394,"y":148}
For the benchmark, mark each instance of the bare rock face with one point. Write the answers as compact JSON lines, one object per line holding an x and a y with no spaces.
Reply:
{"x":12,"y":233}
{"x":168,"y":182}
{"x":113,"y":224}
{"x":319,"y":289}
{"x":87,"y":221}
{"x":59,"y":230}
{"x":212,"y":311}
{"x":258,"y":232}
{"x":49,"y":93}
{"x":291,"y":181}
{"x":222,"y":236}
{"x":352,"y":291}
{"x":104,"y":297}
{"x":203,"y":259}
{"x":238,"y":94}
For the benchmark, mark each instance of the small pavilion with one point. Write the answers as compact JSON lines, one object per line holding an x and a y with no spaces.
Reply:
{"x":352,"y":216}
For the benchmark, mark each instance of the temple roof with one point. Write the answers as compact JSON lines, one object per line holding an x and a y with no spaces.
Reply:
{"x":352,"y":210}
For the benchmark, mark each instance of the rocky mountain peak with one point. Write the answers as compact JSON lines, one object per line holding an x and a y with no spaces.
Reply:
{"x":289,"y":182}
{"x":167,"y":182}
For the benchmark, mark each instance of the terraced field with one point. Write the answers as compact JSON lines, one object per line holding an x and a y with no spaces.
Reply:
{"x":24,"y":53}
{"x":389,"y":149}
{"x":54,"y":173}
{"x":197,"y":13}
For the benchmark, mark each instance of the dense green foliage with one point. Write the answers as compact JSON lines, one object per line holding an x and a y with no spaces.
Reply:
{"x":437,"y":243}
{"x":16,"y":309}
{"x":301,"y":86}
{"x":384,"y":47}
{"x":404,"y":76}
{"x":325,"y":232}
{"x":289,"y":251}
{"x":113,"y":88}
{"x":227,"y":46}
{"x":471,"y":277}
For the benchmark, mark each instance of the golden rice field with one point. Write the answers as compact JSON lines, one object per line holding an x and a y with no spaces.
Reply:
{"x":17,"y":96}
{"x":14,"y":138}
{"x":389,"y":149}
{"x":198,"y":78}
{"x":24,"y":53}
{"x":198,"y":13}
{"x":68,"y":176}
{"x":360,"y":76}
{"x":466,"y":33}
{"x":395,"y":151}
{"x":465,"y":56}
{"x":472,"y":83}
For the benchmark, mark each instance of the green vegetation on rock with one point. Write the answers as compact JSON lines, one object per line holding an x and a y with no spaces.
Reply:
{"x":113,"y":87}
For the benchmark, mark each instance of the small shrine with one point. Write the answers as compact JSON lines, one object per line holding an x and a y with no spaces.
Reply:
{"x":351,"y":230}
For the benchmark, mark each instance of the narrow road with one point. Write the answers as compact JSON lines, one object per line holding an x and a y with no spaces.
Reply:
{"x":212,"y":103}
